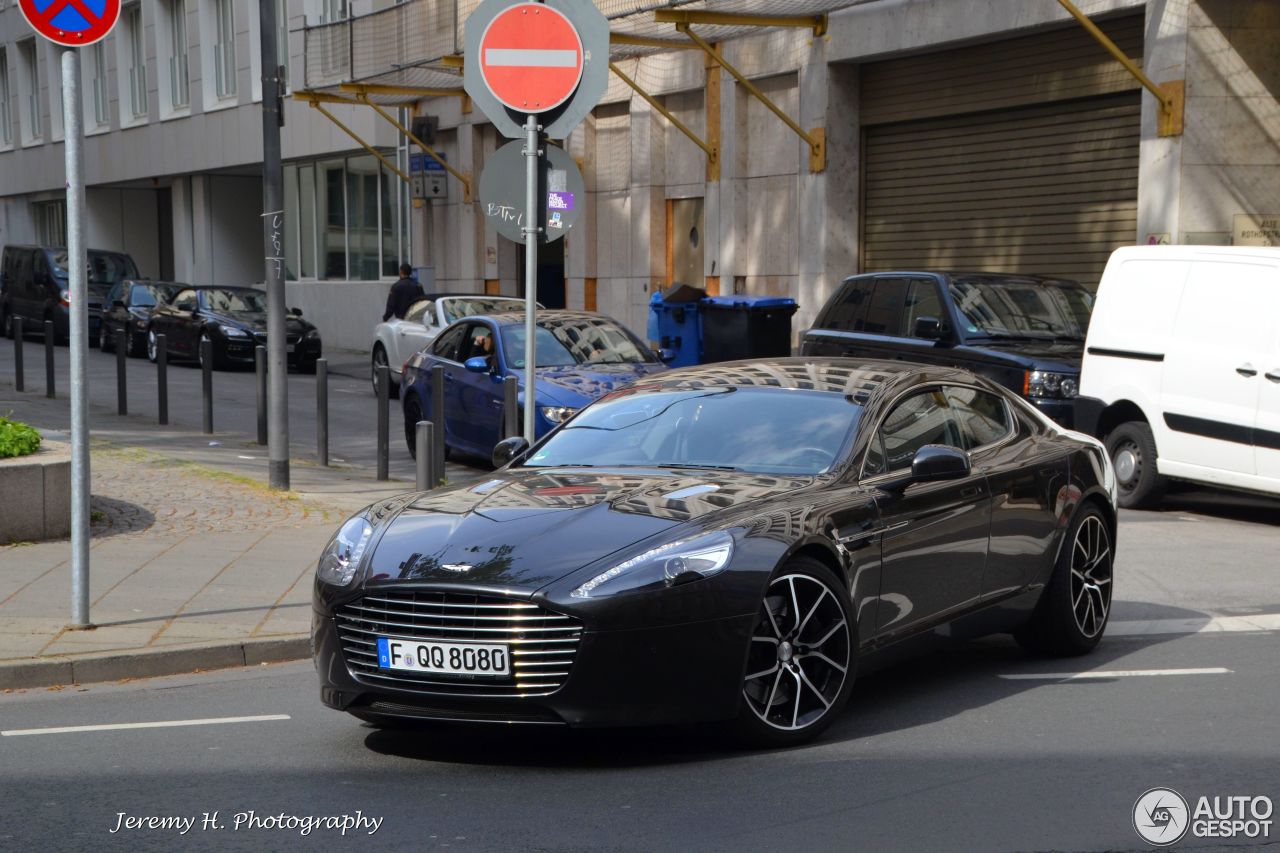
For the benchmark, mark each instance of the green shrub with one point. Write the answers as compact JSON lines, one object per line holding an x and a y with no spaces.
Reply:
{"x":17,"y":439}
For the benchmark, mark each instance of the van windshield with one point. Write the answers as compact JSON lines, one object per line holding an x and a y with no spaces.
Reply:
{"x":994,"y":308}
{"x":104,"y":267}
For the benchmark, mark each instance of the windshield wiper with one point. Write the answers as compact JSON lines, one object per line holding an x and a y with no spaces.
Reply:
{"x":690,"y":465}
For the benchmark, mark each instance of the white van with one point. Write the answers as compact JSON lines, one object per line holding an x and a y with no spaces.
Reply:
{"x":1181,"y":371}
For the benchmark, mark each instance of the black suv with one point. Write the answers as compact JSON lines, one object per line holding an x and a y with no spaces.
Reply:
{"x":1025,"y":332}
{"x":34,"y":286}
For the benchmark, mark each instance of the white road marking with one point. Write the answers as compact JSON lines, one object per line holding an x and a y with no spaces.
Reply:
{"x":164,"y":724}
{"x":1110,"y":673}
{"x":1195,"y":625}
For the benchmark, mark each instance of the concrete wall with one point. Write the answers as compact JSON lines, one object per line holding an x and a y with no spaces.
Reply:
{"x":125,"y":220}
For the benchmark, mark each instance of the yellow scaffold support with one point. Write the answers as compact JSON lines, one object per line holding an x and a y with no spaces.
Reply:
{"x":1170,"y":95}
{"x":464,"y":179}
{"x":815,"y":137}
{"x":817,"y":23}
{"x":712,"y":154}
{"x":315,"y":99}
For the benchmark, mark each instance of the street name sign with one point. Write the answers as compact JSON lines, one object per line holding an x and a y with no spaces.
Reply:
{"x":71,"y":23}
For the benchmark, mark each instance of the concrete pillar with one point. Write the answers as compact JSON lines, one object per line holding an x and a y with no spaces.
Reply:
{"x":1160,"y":158}
{"x":580,"y":242}
{"x":201,"y":213}
{"x":812,"y":279}
{"x":730,"y":212}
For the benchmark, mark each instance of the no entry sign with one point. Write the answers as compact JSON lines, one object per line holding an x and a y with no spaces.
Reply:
{"x":72,"y":23}
{"x":531,"y":57}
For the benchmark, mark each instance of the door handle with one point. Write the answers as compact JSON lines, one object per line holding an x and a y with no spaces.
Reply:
{"x":1246,"y":369}
{"x":1273,"y":375}
{"x":971,"y":492}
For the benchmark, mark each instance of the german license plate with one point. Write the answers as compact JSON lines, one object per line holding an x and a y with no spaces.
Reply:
{"x":447,"y":658}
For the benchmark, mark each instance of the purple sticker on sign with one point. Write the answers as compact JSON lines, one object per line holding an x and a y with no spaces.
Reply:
{"x":559,"y":201}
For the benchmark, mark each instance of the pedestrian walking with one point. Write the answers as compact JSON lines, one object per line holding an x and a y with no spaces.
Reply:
{"x":406,"y":291}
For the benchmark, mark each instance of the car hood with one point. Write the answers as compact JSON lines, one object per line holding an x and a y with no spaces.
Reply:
{"x":528,"y":528}
{"x":1052,"y":353}
{"x":256,"y":321}
{"x":579,"y":384}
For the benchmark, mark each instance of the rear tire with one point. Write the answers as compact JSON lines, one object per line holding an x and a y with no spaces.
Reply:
{"x":380,"y":358}
{"x":1132,"y":449}
{"x":1075,"y":606}
{"x":802,"y":657}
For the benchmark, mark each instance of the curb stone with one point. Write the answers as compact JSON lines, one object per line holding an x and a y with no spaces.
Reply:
{"x":148,"y":663}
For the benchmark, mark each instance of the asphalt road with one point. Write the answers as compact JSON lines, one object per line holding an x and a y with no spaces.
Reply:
{"x":352,"y":405}
{"x":945,"y":753}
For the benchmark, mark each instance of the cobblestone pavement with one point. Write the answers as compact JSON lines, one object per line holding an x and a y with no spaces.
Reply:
{"x":136,"y":491}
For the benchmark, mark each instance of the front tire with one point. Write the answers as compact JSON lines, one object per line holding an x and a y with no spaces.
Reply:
{"x":1074,"y":608}
{"x":1132,"y":448}
{"x":802,"y":657}
{"x":152,"y":346}
{"x":380,"y":359}
{"x":104,"y":339}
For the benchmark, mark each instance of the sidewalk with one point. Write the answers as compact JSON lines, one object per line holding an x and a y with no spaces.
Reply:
{"x":194,"y":563}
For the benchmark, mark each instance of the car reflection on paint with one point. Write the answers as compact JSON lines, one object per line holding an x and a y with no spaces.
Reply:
{"x":729,"y":542}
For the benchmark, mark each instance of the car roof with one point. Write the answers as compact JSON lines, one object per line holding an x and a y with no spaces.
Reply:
{"x":852,"y":377}
{"x":978,"y":276}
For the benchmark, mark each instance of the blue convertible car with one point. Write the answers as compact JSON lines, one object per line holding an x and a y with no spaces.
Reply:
{"x":581,"y":356}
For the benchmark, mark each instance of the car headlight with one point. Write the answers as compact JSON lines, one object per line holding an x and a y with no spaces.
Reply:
{"x":668,"y":565}
{"x":233,"y":332}
{"x":341,"y":558}
{"x":1057,"y":386}
{"x":313,"y":334}
{"x":557,"y":414}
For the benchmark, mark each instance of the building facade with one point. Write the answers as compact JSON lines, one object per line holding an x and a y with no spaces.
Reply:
{"x":955,"y":134}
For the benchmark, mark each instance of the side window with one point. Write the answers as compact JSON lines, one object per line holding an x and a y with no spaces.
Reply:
{"x":478,"y":342}
{"x":186,"y":301}
{"x":422,"y":312}
{"x":922,"y":301}
{"x":921,"y":419}
{"x":874,"y":463}
{"x":116,"y":293}
{"x":884,"y":315}
{"x":446,"y":346}
{"x":983,"y":417}
{"x":849,"y":308}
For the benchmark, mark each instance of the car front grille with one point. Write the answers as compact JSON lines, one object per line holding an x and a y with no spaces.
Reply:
{"x":542,"y":643}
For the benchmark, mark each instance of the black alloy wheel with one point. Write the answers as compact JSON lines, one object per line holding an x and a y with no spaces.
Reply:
{"x":1132,"y":448}
{"x":380,"y":360}
{"x":802,"y":658}
{"x":1075,"y":606}
{"x":152,"y":346}
{"x":136,"y":347}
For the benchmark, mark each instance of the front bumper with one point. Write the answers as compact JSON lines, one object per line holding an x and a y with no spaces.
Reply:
{"x":240,"y":350}
{"x":682,"y":673}
{"x":1063,"y":412}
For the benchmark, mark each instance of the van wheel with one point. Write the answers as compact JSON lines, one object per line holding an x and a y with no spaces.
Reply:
{"x":1133,"y":454}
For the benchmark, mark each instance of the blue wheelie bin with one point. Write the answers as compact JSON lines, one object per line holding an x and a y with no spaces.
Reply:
{"x":676,"y":326}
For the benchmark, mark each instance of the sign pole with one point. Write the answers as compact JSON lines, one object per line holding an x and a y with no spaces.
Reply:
{"x":273,"y":245}
{"x":530,"y":272}
{"x":78,"y":266}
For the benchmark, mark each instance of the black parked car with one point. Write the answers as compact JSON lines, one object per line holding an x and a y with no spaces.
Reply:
{"x":234,"y":320}
{"x":723,"y":542}
{"x":1024,"y":332}
{"x":128,"y":306}
{"x":34,"y":285}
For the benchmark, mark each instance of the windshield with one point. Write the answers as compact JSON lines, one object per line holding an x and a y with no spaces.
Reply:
{"x":149,"y":295}
{"x":104,"y":267}
{"x":467,"y":306}
{"x":1022,"y":310}
{"x":230,"y":301}
{"x":585,"y":340}
{"x":763,"y":430}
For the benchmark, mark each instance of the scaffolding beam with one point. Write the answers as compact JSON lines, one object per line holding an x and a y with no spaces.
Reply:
{"x":315,"y":100}
{"x":644,"y":41}
{"x":1169,"y":95}
{"x":817,"y":23}
{"x":464,"y":179}
{"x":710,"y":151}
{"x":412,"y":93}
{"x":814,"y":138}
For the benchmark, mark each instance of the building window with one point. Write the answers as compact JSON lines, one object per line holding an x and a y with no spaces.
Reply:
{"x":58,"y":111}
{"x":29,"y":72}
{"x":6,"y":127}
{"x":347,"y":219}
{"x":137,"y":61}
{"x":51,"y":222}
{"x":224,"y":49}
{"x":179,"y":75}
{"x":101,"y":107}
{"x":333,"y":10}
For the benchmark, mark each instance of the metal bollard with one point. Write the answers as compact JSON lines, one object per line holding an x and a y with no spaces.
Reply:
{"x":437,"y":418}
{"x":510,"y":407}
{"x":122,"y":353}
{"x":383,"y":373}
{"x":48,"y":361}
{"x":206,"y":356}
{"x":16,"y":325}
{"x":322,"y":410}
{"x":260,"y":367}
{"x":162,"y":378}
{"x":423,"y":439}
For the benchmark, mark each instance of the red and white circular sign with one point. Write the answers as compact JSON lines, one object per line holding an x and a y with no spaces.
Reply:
{"x":73,"y":23}
{"x":531,"y":58}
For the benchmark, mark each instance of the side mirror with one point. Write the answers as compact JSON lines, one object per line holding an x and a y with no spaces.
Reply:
{"x":296,"y":312}
{"x":478,"y":364}
{"x":509,"y":449}
{"x":929,"y":328}
{"x":932,"y":463}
